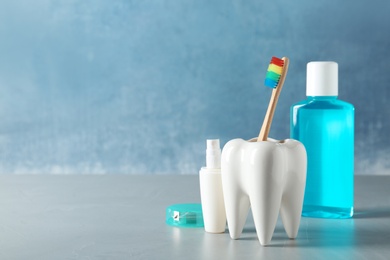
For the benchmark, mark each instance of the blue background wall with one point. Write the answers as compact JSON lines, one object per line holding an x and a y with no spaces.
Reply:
{"x":138,"y":86}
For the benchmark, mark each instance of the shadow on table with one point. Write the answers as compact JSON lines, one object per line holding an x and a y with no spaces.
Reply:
{"x":372,"y":213}
{"x":334,"y":233}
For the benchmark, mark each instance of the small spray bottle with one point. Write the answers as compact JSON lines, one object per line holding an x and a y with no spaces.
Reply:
{"x":213,"y":206}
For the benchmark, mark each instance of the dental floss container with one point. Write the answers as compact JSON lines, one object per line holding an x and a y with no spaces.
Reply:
{"x":184,"y":215}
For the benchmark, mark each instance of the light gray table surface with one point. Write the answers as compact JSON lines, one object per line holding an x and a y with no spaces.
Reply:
{"x":123,"y":217}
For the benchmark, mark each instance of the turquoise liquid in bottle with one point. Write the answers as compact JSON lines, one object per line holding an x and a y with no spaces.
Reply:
{"x":325,"y":126}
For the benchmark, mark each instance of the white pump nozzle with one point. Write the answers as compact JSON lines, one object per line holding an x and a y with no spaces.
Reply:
{"x":213,"y":154}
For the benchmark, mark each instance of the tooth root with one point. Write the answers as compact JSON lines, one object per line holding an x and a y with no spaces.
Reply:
{"x":236,"y":206}
{"x":238,"y":213}
{"x":291,"y":205}
{"x":292,"y":200}
{"x":266,"y":192}
{"x":290,"y":213}
{"x":236,"y":200}
{"x":265,"y":209}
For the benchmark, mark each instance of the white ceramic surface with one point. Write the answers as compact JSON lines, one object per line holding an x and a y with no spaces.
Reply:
{"x":266,"y":176}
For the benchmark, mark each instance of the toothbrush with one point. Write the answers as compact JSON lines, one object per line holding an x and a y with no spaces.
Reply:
{"x":276,"y":74}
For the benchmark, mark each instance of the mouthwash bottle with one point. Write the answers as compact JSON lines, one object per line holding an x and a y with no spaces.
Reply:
{"x":325,"y":126}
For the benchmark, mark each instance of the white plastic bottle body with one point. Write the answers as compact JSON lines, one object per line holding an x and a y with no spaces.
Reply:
{"x":213,"y":206}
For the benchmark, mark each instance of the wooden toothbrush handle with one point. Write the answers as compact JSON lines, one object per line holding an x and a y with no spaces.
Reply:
{"x":263,"y":135}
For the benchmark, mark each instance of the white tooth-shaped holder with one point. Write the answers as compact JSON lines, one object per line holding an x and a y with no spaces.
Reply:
{"x":269,"y":177}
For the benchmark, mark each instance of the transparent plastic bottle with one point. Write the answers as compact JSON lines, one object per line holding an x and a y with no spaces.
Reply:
{"x":325,"y":126}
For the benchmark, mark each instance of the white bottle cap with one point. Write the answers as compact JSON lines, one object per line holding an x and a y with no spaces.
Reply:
{"x":213,"y":154}
{"x":322,"y":78}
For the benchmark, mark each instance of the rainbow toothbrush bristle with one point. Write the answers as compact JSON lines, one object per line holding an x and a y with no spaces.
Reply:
{"x":274,"y":72}
{"x":276,"y":75}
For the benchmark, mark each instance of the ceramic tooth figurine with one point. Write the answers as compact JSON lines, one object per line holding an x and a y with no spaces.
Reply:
{"x":267,"y":176}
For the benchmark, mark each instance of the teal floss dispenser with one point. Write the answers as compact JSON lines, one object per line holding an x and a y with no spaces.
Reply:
{"x":325,"y":125}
